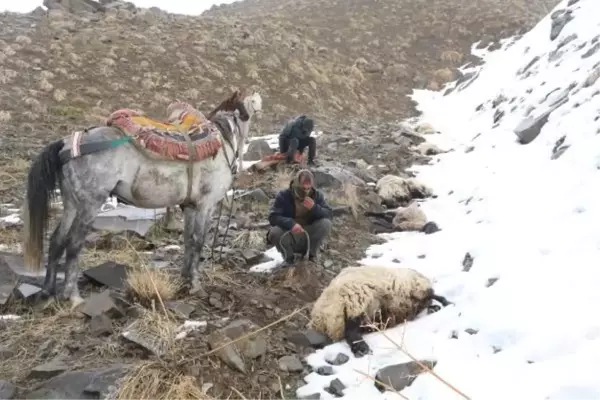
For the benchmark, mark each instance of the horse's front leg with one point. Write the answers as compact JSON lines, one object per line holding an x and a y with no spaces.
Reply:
{"x":202,"y":221}
{"x":189,"y":216}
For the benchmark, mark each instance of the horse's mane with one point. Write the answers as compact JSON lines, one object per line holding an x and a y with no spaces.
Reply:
{"x":229,"y":104}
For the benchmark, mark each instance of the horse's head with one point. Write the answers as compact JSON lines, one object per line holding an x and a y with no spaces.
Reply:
{"x":253,"y":104}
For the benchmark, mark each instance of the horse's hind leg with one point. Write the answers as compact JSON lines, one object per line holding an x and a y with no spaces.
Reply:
{"x":203,"y":213}
{"x":86,"y":214}
{"x":58,"y":243}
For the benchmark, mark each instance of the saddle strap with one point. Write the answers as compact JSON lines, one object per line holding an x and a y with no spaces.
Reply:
{"x":190,"y":167}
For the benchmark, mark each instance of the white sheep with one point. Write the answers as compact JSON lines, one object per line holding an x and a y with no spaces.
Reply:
{"x":403,"y":219}
{"x":366,"y":295}
{"x":394,"y":190}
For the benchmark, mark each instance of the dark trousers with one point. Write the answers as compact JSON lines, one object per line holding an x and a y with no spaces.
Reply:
{"x":289,"y":146}
{"x":289,"y":243}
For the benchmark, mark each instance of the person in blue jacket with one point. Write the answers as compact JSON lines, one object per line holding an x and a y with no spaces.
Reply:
{"x":300,"y":211}
{"x":295,"y":135}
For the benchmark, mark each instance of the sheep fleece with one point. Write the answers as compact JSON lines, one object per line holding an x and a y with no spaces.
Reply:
{"x":410,"y":218}
{"x":365,"y":290}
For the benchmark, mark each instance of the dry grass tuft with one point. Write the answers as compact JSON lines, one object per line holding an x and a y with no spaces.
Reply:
{"x":154,"y":380}
{"x":249,"y":239}
{"x":150,"y":285}
{"x":157,"y":330}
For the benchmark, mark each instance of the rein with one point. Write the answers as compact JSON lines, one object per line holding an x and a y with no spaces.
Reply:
{"x":233,"y":169}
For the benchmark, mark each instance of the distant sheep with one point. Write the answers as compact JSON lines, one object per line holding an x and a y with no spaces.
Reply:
{"x":357,"y":294}
{"x":403,"y":219}
{"x":395,"y":190}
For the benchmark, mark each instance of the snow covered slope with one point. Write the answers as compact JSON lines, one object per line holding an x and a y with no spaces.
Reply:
{"x":525,"y":324}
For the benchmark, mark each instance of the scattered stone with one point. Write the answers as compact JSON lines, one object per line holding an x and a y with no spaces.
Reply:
{"x":182,"y":309}
{"x":309,"y":338}
{"x":314,"y":396}
{"x":467,"y":262}
{"x":5,"y":293}
{"x":336,"y":388}
{"x":102,"y":303}
{"x":341,"y":210}
{"x":257,"y":149}
{"x":290,"y":364}
{"x":571,"y":2}
{"x":325,"y":370}
{"x":93,"y":383}
{"x":530,"y":128}
{"x":400,"y":376}
{"x":335,"y":177}
{"x":7,"y":390}
{"x":472,"y":331}
{"x":252,"y":257}
{"x":560,"y":19}
{"x":48,"y":370}
{"x":258,"y":195}
{"x":147,"y":340}
{"x":491,"y":281}
{"x":108,"y":274}
{"x":101,"y":325}
{"x":339,"y":359}
{"x":233,"y":354}
{"x":25,"y":291}
{"x":591,"y":51}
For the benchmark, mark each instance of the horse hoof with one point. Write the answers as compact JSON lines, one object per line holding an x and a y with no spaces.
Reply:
{"x":197,"y":289}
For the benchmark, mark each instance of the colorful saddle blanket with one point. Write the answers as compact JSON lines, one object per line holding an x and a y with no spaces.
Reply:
{"x":166,"y":140}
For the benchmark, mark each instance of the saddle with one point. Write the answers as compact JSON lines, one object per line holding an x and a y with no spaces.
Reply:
{"x":186,"y":131}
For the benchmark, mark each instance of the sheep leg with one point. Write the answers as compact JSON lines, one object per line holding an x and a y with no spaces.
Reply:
{"x":354,"y":338}
{"x":441,"y":299}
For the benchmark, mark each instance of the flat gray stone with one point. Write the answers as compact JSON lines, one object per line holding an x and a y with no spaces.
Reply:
{"x":7,"y":390}
{"x":108,"y":274}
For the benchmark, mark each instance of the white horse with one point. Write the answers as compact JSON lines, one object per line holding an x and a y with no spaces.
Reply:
{"x":105,"y":161}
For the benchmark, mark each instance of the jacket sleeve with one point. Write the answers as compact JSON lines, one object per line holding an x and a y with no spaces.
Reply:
{"x":321,"y":209}
{"x":277,"y":214}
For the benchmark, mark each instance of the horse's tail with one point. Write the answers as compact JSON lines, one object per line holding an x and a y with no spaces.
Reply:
{"x":45,"y":173}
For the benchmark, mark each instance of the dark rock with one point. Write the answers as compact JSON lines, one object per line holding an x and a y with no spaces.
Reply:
{"x":233,"y":354}
{"x":571,"y":2}
{"x":48,"y":370}
{"x":309,"y":338}
{"x":258,"y":195}
{"x":108,"y":274}
{"x":335,"y":177}
{"x":290,"y":364}
{"x":252,"y":256}
{"x":560,"y":19}
{"x":341,"y":210}
{"x":467,"y":262}
{"x":7,"y":390}
{"x":314,"y":396}
{"x":87,"y":384}
{"x":339,"y":359}
{"x":102,"y":303}
{"x":591,"y":51}
{"x":400,"y":376}
{"x":257,"y":149}
{"x":472,"y":331}
{"x":325,"y":370}
{"x":336,"y":388}
{"x":182,"y":309}
{"x":491,"y":281}
{"x":530,"y":128}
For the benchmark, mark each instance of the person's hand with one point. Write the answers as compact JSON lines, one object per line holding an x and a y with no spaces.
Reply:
{"x":308,"y":202}
{"x":297,"y":228}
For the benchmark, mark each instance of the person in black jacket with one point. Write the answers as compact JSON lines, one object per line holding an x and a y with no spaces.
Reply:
{"x":295,"y":135}
{"x":298,"y":211}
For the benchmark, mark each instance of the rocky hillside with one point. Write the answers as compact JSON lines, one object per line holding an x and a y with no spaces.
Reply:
{"x":80,"y":60}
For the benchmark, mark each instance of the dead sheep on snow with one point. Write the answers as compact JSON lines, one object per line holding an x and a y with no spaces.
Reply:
{"x":403,"y":219}
{"x":360,"y":296}
{"x":395,"y":191}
